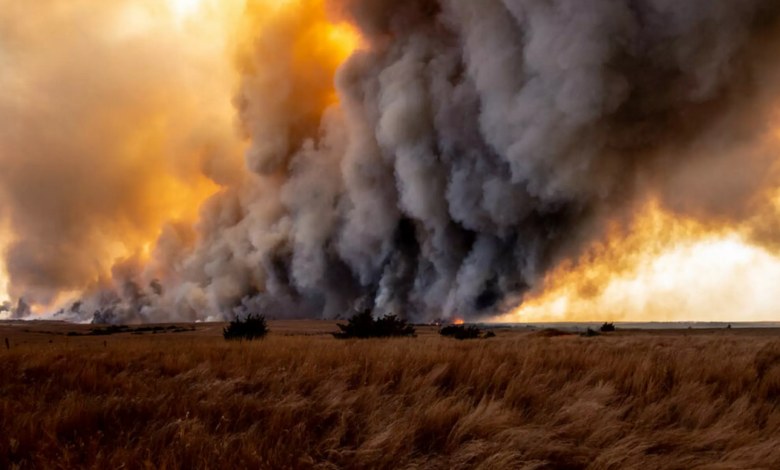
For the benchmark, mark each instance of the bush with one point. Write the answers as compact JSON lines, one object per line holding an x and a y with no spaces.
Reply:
{"x":251,"y":328}
{"x":490,"y":334}
{"x":392,"y":326}
{"x":363,"y":325}
{"x":460,"y":331}
{"x":607,"y":327}
{"x":589,"y":333}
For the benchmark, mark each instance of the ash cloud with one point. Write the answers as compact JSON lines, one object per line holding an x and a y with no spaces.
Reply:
{"x":474,"y":147}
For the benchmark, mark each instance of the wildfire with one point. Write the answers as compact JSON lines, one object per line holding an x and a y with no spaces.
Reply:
{"x":139,"y":130}
{"x":665,"y":268}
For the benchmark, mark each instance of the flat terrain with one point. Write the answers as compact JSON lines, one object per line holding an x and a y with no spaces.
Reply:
{"x":179,"y":397}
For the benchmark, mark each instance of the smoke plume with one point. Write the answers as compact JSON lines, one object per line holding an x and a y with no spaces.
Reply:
{"x":425,"y":158}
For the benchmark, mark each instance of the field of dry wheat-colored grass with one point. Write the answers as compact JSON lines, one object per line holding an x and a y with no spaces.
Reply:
{"x":192,"y":401}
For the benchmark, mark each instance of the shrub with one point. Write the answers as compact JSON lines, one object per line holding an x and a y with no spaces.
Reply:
{"x":363,"y":325}
{"x":460,"y":331}
{"x":250,"y":328}
{"x":607,"y":327}
{"x":589,"y":333}
{"x":490,"y":334}
{"x":392,"y":326}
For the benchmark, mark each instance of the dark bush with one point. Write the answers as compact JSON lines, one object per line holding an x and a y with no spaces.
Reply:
{"x":250,"y":328}
{"x":607,"y":327}
{"x":490,"y":334}
{"x":589,"y":333}
{"x":460,"y":331}
{"x":109,"y":330}
{"x":391,"y":326}
{"x":363,"y":325}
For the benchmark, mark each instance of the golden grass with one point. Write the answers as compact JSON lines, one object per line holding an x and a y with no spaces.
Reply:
{"x":515,"y":401}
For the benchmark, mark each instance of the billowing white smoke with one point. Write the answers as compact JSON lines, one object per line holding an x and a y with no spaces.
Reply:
{"x":475,"y":145}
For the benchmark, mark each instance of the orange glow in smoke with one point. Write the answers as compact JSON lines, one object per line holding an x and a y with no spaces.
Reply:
{"x":319,"y":47}
{"x":663,"y":268}
{"x":162,"y":137}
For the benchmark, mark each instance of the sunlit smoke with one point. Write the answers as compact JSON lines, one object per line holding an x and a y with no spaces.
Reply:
{"x":184,"y":8}
{"x":450,"y":159}
{"x":5,"y":301}
{"x":120,"y":124}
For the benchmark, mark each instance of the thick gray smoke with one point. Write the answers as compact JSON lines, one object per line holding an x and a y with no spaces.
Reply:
{"x":476,"y":145}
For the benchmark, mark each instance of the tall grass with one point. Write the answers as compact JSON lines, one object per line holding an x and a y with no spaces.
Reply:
{"x":635,"y":402}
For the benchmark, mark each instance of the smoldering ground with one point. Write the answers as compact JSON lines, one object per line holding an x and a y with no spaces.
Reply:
{"x":441,"y":168}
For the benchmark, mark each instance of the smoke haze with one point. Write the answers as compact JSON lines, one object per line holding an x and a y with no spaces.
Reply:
{"x":424,"y":158}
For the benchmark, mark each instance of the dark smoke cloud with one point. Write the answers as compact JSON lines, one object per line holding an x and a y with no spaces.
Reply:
{"x":476,"y":145}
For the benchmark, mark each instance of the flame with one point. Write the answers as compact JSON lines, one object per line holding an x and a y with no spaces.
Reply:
{"x":664,"y":268}
{"x":458,"y":321}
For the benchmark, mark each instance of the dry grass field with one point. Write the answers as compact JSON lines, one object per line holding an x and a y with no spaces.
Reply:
{"x":302,"y":400}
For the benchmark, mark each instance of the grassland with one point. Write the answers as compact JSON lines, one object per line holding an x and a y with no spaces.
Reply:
{"x":300,"y":399}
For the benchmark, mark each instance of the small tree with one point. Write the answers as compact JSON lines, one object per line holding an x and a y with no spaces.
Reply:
{"x":391,"y":326}
{"x":460,"y":331}
{"x":250,"y":328}
{"x":363,"y":325}
{"x":607,"y":327}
